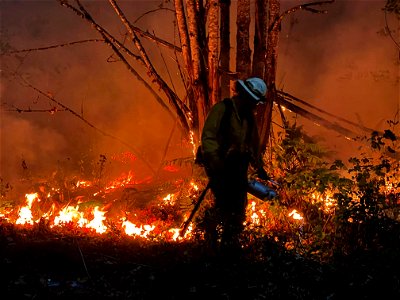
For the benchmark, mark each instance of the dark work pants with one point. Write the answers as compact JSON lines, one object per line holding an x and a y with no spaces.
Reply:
{"x":230,"y":191}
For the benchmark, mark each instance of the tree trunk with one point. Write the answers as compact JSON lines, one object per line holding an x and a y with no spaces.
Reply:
{"x":225,"y":48}
{"x":243,"y":52}
{"x":260,"y":38}
{"x":265,"y":112}
{"x":186,"y":53}
{"x":197,"y":62}
{"x":213,"y":38}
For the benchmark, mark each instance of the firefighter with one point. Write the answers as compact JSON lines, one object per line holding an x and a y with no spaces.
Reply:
{"x":229,"y":143}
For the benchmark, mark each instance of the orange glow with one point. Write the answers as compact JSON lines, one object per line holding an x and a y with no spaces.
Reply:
{"x":295,"y":215}
{"x":97,"y":222}
{"x":171,"y":168}
{"x":25,"y":213}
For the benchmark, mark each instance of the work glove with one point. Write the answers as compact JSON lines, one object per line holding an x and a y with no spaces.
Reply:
{"x":262,"y":174}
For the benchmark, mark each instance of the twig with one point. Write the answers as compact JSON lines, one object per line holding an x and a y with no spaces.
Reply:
{"x":305,"y":6}
{"x":115,"y":44}
{"x":389,"y":32}
{"x":173,"y":98}
{"x":51,"y":47}
{"x":152,"y":11}
{"x":20,"y":110}
{"x":83,"y":259}
{"x":292,"y":98}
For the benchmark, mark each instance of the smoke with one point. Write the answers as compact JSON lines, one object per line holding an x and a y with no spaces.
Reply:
{"x":120,"y":115}
{"x":338,"y":61}
{"x":342,"y":62}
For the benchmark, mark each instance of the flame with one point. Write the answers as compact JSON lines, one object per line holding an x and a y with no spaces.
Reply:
{"x":295,"y":215}
{"x":25,"y":212}
{"x":83,"y":183}
{"x":70,"y":214}
{"x":134,"y":230}
{"x":169,"y":199}
{"x":329,"y":203}
{"x":194,"y":186}
{"x":191,"y":140}
{"x":97,"y":222}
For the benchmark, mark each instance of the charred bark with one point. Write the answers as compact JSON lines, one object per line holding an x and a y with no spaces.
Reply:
{"x":225,"y":47}
{"x":260,"y":38}
{"x":213,"y":43}
{"x":187,"y":54}
{"x":264,"y":114}
{"x":243,"y":52}
{"x":197,"y":61}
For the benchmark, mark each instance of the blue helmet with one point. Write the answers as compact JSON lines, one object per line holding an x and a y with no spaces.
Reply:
{"x":254,"y":87}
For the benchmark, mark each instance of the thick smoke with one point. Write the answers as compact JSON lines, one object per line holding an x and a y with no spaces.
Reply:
{"x":122,"y":115}
{"x":338,"y":61}
{"x":342,"y":62}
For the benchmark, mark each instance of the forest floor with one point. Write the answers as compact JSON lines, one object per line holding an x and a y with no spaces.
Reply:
{"x":53,"y":265}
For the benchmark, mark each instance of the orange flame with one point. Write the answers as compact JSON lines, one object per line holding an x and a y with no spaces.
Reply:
{"x":295,"y":215}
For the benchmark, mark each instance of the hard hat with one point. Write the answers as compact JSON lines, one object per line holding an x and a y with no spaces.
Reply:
{"x":254,"y":87}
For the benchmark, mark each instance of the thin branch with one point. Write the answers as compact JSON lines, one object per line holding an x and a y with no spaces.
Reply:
{"x":172,"y":97}
{"x":29,"y":110}
{"x":52,"y":47}
{"x":166,"y":68}
{"x":114,"y":44}
{"x":289,"y":97}
{"x":152,"y":11}
{"x":108,"y":38}
{"x":389,"y":32}
{"x":317,"y":119}
{"x":305,"y":6}
{"x":83,"y":259}
{"x":156,"y":39}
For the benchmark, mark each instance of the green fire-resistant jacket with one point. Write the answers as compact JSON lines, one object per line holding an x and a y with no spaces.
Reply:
{"x":239,"y":136}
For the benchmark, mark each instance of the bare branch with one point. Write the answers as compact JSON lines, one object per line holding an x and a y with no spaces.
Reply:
{"x":152,"y":11}
{"x":30,"y":110}
{"x":108,"y":38}
{"x":172,"y":97}
{"x":317,"y":119}
{"x":305,"y":6}
{"x":111,"y":41}
{"x":389,"y":32}
{"x":52,"y":47}
{"x":289,"y":97}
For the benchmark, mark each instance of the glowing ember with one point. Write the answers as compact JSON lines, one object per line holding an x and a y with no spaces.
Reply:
{"x":169,"y":199}
{"x":83,"y":183}
{"x":194,"y":185}
{"x":329,"y":203}
{"x":191,"y":139}
{"x":295,"y":215}
{"x":254,"y":216}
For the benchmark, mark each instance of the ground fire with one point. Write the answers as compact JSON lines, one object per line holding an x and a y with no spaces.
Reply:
{"x":95,"y":210}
